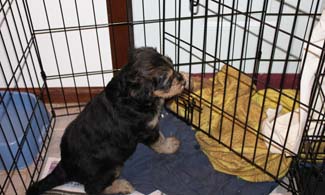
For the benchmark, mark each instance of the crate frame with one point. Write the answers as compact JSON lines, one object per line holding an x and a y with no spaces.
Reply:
{"x":31,"y":64}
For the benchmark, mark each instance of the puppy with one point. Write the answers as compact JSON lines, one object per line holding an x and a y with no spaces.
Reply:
{"x":105,"y":134}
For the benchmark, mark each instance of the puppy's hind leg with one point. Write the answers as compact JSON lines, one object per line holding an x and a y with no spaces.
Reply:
{"x":106,"y":183}
{"x":119,"y":186}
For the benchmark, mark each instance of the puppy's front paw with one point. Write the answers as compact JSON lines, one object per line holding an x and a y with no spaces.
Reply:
{"x":171,"y":145}
{"x":166,"y":145}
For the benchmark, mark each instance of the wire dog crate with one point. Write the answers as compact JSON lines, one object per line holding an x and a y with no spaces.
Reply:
{"x":256,"y":70}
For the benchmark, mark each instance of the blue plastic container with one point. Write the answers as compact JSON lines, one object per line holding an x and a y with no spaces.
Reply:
{"x":24,"y":122}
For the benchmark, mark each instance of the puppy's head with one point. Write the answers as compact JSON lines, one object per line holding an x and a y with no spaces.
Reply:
{"x":150,"y":74}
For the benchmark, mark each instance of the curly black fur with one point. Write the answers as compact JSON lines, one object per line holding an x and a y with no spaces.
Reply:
{"x":104,"y":135}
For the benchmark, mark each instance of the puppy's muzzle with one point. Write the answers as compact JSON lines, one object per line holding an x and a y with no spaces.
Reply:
{"x":183,"y":79}
{"x":180,"y":79}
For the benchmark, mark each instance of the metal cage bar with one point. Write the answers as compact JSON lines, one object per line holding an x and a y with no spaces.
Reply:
{"x":263,"y":41}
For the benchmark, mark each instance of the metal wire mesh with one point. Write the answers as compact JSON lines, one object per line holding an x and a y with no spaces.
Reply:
{"x":61,"y":52}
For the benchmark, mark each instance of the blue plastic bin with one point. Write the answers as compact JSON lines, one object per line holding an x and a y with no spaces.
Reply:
{"x":24,"y":121}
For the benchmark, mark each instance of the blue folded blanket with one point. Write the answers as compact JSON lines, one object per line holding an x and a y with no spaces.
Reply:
{"x":187,"y":172}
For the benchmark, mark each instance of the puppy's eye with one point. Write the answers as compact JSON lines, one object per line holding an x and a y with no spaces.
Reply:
{"x":161,"y":78}
{"x":167,"y":83}
{"x":162,"y":82}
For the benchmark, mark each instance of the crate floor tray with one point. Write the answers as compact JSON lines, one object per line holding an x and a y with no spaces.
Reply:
{"x":24,"y":121}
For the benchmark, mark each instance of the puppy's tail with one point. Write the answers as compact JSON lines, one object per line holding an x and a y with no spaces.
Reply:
{"x":57,"y":177}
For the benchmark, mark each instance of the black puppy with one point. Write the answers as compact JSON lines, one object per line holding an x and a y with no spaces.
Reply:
{"x":96,"y":144}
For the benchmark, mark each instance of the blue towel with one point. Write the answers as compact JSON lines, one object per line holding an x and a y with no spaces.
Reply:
{"x":187,"y":172}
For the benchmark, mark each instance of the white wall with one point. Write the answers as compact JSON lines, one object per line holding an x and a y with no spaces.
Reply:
{"x":55,"y":48}
{"x":153,"y":38}
{"x":83,"y":47}
{"x":90,"y":58}
{"x":13,"y":42}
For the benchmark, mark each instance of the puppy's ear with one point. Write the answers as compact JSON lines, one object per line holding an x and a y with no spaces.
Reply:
{"x":139,"y":53}
{"x":141,"y":89}
{"x":132,"y":53}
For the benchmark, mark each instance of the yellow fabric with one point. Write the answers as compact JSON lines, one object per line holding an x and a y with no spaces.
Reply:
{"x":227,"y":125}
{"x":272,"y":99}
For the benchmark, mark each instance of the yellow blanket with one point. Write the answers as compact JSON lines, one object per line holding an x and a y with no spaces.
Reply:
{"x":233,"y":120}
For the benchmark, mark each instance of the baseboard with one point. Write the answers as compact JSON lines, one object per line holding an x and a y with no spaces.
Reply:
{"x":289,"y":81}
{"x":61,"y":94}
{"x":73,"y":94}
